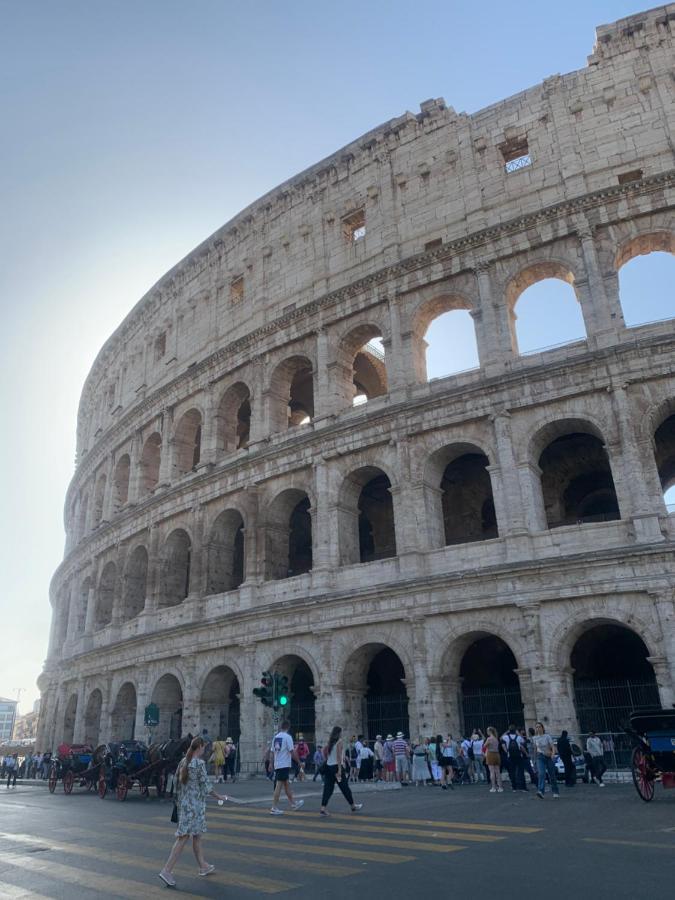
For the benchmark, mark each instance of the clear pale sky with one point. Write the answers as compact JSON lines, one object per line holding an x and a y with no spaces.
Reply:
{"x":132,"y":130}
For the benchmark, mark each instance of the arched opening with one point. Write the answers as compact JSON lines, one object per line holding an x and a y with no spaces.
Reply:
{"x":84,"y":603}
{"x":175,"y":569}
{"x":576,"y":481}
{"x":150,"y":462}
{"x":168,"y":696}
{"x":121,"y":482}
{"x":187,"y":442}
{"x":289,"y":535}
{"x":92,"y":719}
{"x":466,"y":495}
{"x":234,"y":419}
{"x":69,"y":720}
{"x":123,"y":717}
{"x":545,"y":310}
{"x":226,"y":553}
{"x":646,"y":268}
{"x":490,"y":686}
{"x":366,"y":512}
{"x":612,"y":677}
{"x":664,"y":448}
{"x":444,"y":338}
{"x":82,"y":516}
{"x":220,"y":704}
{"x":106,"y":596}
{"x":99,"y":498}
{"x":376,"y":691}
{"x":359,"y":373}
{"x":301,"y":708}
{"x":291,"y":394}
{"x":135,"y":584}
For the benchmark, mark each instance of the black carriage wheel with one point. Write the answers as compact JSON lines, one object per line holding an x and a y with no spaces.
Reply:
{"x":102,"y":786}
{"x":68,"y":781}
{"x":53,"y":778}
{"x":161,"y":784}
{"x":643,"y":774}
{"x":122,"y":786}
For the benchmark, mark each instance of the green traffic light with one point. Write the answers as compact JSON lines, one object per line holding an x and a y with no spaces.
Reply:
{"x":283,"y":701}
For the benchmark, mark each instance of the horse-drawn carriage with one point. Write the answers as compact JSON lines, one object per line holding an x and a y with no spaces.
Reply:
{"x":653,"y":759}
{"x":132,"y":763}
{"x":81,"y":764}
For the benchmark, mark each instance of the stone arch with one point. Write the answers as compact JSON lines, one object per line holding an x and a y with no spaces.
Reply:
{"x":611,"y":674}
{"x":187,"y":442}
{"x":288,"y":535}
{"x":176,"y":556}
{"x":226,"y":552}
{"x":366,"y":516}
{"x":531,"y":274}
{"x":85,"y":588}
{"x":151,"y":457}
{"x":360,"y":369}
{"x":639,"y":304}
{"x":121,"y":482}
{"x":123,"y":716}
{"x":99,"y":499}
{"x":167,"y":693}
{"x":135,"y":583}
{"x":607,"y":611}
{"x":428,"y":312}
{"x":577,"y":484}
{"x":482,"y":665}
{"x":459,"y":500}
{"x":219,"y":703}
{"x":663,"y":443}
{"x":290,"y":394}
{"x":105,"y":602}
{"x":92,"y":718}
{"x":69,"y":716}
{"x":376,"y":690}
{"x":233,"y":419}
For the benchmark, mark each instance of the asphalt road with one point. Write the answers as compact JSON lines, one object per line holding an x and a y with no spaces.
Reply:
{"x":599,"y":843}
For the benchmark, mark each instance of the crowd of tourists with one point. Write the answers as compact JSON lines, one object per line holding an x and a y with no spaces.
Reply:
{"x":27,"y":765}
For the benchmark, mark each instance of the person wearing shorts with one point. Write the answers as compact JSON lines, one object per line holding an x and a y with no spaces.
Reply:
{"x":284,"y":755}
{"x":388,"y":758}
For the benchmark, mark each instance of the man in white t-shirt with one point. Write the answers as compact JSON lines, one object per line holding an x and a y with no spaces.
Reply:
{"x":284,"y":753}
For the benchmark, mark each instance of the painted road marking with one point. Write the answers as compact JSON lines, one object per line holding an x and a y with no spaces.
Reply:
{"x":356,"y":827}
{"x":298,"y":849}
{"x":253,"y":882}
{"x":104,"y":884}
{"x":217,"y":850}
{"x":464,"y":826}
{"x":620,"y":843}
{"x":13,"y":891}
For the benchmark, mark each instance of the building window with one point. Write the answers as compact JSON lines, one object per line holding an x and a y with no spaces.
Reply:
{"x":237,"y":289}
{"x":627,"y":177}
{"x":516,"y":154}
{"x":160,"y":346}
{"x":354,"y":226}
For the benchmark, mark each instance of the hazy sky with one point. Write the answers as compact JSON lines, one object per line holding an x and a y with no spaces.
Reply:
{"x":132,"y":130}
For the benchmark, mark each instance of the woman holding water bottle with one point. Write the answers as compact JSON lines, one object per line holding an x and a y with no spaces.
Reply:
{"x":193,"y":787}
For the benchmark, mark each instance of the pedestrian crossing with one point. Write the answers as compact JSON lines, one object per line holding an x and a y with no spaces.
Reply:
{"x":254,"y":853}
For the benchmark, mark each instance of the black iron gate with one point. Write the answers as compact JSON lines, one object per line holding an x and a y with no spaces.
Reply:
{"x":604,"y":705}
{"x":496,"y":706}
{"x":386,"y":714}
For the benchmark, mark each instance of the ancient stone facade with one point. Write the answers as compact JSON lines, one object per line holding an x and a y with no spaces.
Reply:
{"x":233,"y":510}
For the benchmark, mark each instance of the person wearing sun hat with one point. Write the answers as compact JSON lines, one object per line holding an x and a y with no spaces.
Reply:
{"x":401,"y":750}
{"x":388,"y":758}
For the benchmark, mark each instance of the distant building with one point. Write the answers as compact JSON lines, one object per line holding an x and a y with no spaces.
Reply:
{"x":7,"y":718}
{"x":25,"y":727}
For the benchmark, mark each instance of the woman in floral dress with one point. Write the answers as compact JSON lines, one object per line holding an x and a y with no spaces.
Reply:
{"x":192,"y":791}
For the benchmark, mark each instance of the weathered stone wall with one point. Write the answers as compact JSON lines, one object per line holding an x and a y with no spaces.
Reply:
{"x":446,"y":227}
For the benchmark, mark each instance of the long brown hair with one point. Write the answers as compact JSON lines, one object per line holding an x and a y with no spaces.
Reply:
{"x":194,"y":746}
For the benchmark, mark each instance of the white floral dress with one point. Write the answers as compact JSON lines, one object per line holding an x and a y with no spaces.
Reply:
{"x":191,"y":799}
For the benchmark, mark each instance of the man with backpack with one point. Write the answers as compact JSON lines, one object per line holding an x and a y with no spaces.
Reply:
{"x":515,"y":750}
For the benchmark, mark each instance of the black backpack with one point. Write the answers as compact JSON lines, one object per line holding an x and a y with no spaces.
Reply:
{"x":513,"y":748}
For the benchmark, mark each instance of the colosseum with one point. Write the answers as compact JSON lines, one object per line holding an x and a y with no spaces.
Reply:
{"x":262,"y":484}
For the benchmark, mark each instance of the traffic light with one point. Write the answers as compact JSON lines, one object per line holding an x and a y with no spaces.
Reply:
{"x":281,"y":690}
{"x":265,"y":693}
